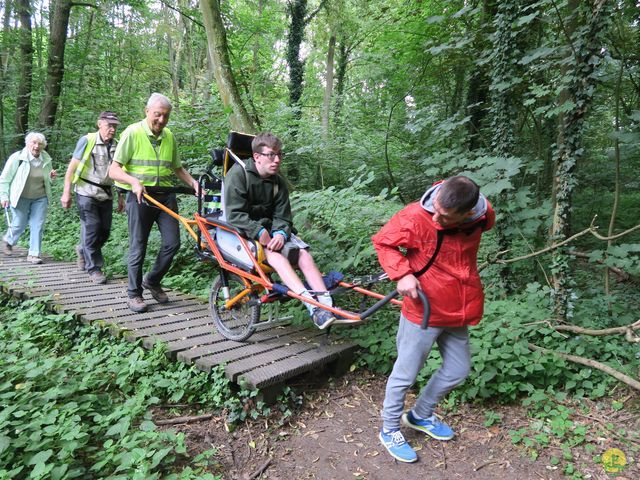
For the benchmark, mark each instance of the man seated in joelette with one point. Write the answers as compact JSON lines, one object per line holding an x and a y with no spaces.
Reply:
{"x":257,"y":204}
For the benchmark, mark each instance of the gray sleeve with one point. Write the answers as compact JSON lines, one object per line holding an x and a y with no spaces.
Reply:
{"x":80,"y":146}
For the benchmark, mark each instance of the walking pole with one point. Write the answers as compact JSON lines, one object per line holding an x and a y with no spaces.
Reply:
{"x":8,"y":218}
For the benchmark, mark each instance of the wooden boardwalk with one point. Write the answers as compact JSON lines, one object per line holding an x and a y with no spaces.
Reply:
{"x":267,"y":359}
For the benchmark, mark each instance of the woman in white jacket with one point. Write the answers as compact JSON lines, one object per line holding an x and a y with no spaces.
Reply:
{"x":25,"y":185}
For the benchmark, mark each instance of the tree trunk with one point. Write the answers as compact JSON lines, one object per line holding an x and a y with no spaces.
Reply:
{"x":328,"y":89}
{"x":586,"y":50}
{"x":341,"y":73}
{"x":503,"y":113}
{"x":616,"y":192}
{"x":478,"y":93}
{"x":4,"y":63}
{"x":55,"y":62}
{"x":23,"y":97}
{"x":87,"y":51}
{"x":298,"y":10}
{"x":219,"y":52}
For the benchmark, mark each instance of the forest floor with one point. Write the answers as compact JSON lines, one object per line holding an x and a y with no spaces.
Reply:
{"x":334,"y":435}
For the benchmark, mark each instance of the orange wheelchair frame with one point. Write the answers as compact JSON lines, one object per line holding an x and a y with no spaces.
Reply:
{"x":243,"y":287}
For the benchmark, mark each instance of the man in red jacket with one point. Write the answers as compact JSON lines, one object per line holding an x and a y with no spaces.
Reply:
{"x":448,"y":222}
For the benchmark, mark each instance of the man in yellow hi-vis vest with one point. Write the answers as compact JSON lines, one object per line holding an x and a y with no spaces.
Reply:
{"x":146,"y":156}
{"x":88,"y":172}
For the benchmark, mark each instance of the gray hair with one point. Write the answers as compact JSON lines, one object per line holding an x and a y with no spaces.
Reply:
{"x":39,"y":137}
{"x":159,"y":98}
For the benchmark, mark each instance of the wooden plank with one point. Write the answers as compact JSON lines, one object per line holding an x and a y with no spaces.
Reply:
{"x":273,"y":330}
{"x":243,"y":350}
{"x":177,"y":346}
{"x":221,"y":352}
{"x":271,"y":355}
{"x":171,"y":327}
{"x":155,"y":310}
{"x":234,"y":369}
{"x":88,"y":304}
{"x":164,"y":320}
{"x":279,"y":371}
{"x":180,"y":334}
{"x":71,"y":289}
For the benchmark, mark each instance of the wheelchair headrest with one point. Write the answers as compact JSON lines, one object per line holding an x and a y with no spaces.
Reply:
{"x":240,"y":144}
{"x":217,"y":157}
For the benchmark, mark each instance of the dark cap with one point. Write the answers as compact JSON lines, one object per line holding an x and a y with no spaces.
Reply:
{"x":109,"y":117}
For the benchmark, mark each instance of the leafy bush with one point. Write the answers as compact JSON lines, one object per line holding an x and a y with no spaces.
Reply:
{"x":505,"y":369}
{"x":75,"y":405}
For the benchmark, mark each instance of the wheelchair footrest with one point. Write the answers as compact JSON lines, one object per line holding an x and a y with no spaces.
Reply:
{"x":273,"y":297}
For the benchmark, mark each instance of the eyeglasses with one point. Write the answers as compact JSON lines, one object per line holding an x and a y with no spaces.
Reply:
{"x":272,"y":155}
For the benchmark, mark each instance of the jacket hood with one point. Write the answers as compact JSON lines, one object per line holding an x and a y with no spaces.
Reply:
{"x":478,"y":211}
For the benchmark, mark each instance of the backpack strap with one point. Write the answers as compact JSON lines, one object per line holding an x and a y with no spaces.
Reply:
{"x":246,"y":177}
{"x":440,"y":238}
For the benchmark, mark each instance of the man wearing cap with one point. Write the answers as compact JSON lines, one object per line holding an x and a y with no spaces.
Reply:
{"x":88,"y":172}
{"x":147,"y":156}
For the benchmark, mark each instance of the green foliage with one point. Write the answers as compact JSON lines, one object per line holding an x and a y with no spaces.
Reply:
{"x":76,"y":405}
{"x":561,"y":424}
{"x":327,"y":217}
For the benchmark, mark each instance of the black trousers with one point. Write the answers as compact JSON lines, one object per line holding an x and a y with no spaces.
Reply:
{"x":141,"y":218}
{"x":95,"y":226}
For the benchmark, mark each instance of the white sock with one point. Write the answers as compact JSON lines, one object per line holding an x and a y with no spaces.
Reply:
{"x":325,"y":299}
{"x":305,"y":293}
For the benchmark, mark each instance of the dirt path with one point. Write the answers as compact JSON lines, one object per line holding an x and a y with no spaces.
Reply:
{"x":334,"y":436}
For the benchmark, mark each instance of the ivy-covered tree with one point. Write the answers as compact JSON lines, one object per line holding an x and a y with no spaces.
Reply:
{"x":588,"y":22}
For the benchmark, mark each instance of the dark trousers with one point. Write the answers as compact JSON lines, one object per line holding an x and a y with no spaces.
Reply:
{"x":141,"y":219}
{"x":95,"y":226}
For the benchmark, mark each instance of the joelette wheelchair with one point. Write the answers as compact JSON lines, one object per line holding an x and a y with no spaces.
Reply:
{"x":244,"y":296}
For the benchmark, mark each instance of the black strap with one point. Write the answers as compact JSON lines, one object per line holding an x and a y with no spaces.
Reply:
{"x":106,"y":188}
{"x":449,"y":231}
{"x":439,"y":240}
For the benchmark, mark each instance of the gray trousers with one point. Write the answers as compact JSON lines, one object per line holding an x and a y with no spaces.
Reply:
{"x":414,"y":345}
{"x":95,"y":226}
{"x":141,"y":218}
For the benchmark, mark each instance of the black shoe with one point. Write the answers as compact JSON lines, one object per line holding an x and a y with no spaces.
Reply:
{"x":156,"y":292}
{"x":80,"y":263}
{"x":98,"y":277}
{"x":137,"y":304}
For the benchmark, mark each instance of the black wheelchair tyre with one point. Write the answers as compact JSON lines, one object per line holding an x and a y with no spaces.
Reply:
{"x":236,"y":324}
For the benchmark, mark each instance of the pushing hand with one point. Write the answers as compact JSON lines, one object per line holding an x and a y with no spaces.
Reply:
{"x":408,"y":286}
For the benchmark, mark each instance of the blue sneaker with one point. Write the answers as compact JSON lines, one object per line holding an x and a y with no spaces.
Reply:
{"x":397,"y":446}
{"x":322,"y":318}
{"x":431,"y":426}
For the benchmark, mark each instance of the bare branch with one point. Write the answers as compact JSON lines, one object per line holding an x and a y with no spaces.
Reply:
{"x":260,"y":470}
{"x":591,"y":229}
{"x":598,"y":333}
{"x":181,"y":13}
{"x":621,"y":273}
{"x":174,"y":421}
{"x":633,"y":383}
{"x":315,"y":12}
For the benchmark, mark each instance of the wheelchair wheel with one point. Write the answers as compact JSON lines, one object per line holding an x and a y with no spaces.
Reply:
{"x":236,"y":324}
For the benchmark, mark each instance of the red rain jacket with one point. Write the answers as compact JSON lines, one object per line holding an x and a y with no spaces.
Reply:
{"x":452,"y":283}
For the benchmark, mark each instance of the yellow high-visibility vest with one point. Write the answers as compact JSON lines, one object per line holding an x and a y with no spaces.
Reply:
{"x":152,"y":166}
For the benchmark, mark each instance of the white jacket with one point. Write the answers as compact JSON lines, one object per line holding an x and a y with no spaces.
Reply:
{"x":15,"y":173}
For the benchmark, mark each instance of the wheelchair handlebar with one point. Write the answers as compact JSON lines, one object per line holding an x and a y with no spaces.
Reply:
{"x":176,"y":189}
{"x":380,"y":303}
